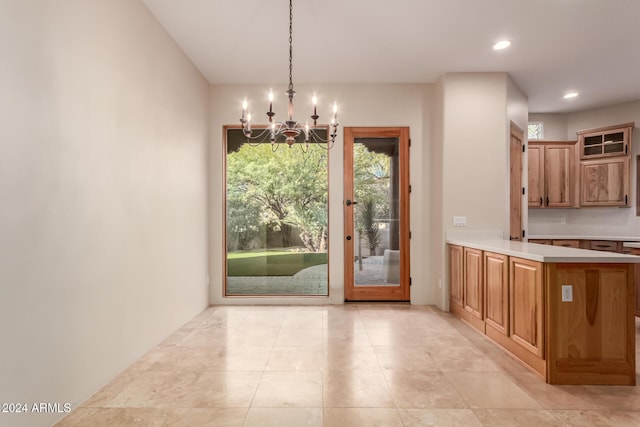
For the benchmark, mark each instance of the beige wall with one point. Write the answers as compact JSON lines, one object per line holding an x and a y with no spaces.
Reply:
{"x":517,"y":113}
{"x":555,"y":126}
{"x":103,"y":243}
{"x":592,"y":221}
{"x":359,"y":105}
{"x":475,"y":152}
{"x":470,"y":135}
{"x":437,"y":272}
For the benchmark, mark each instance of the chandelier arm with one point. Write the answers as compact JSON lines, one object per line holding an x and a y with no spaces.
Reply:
{"x":261,"y":137}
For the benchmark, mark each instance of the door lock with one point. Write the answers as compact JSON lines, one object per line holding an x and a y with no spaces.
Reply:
{"x":349,"y":202}
{"x":348,"y":237}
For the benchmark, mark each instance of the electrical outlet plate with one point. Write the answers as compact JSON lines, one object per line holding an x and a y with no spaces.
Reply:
{"x":459,"y":221}
{"x":567,"y":293}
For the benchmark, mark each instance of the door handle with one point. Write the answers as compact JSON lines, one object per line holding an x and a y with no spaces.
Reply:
{"x":348,"y":237}
{"x":349,"y":202}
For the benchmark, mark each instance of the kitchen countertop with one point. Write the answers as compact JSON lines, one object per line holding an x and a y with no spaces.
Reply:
{"x":541,"y":253}
{"x":564,"y":237}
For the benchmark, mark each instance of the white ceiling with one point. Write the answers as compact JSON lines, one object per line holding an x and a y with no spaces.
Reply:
{"x":589,"y":46}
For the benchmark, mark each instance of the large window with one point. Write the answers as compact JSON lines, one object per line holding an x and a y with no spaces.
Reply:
{"x":277,"y":218}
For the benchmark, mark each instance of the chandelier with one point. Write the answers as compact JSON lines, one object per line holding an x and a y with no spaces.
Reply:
{"x":289,"y":129}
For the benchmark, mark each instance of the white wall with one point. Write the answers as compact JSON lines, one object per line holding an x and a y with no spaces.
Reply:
{"x":518,"y":114}
{"x":603,"y":222}
{"x":437,"y":273}
{"x":359,"y":105}
{"x":473,"y":127}
{"x":555,"y":126}
{"x":103,"y":150}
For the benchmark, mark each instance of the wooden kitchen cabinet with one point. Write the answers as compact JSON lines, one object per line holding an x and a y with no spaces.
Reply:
{"x":540,"y":241}
{"x":456,"y":276}
{"x":605,"y":245}
{"x":609,"y":141}
{"x":590,"y":336}
{"x":636,"y":251}
{"x":552,"y":174}
{"x":586,"y":338}
{"x":466,"y":285}
{"x":526,"y":317}
{"x":567,"y":243}
{"x":535,"y":192}
{"x":473,"y":286}
{"x":605,"y":182}
{"x":496,"y":286}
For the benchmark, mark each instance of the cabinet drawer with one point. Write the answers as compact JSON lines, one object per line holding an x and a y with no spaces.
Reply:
{"x":540,"y":241}
{"x":604,"y":245}
{"x":567,"y":243}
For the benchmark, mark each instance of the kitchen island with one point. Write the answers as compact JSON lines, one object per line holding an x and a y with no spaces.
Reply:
{"x":567,"y":314}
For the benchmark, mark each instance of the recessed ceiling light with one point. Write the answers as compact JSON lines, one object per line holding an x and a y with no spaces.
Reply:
{"x":502,"y":44}
{"x":570,"y":95}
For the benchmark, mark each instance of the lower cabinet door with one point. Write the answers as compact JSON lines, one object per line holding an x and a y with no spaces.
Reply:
{"x":456,"y":275}
{"x":473,"y":279}
{"x":496,"y":283}
{"x":526,"y":317}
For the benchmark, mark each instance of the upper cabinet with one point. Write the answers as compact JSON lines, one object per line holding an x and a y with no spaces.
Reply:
{"x":605,"y":182}
{"x":604,"y":167}
{"x":608,"y":141}
{"x":590,"y":172}
{"x":552,"y":174}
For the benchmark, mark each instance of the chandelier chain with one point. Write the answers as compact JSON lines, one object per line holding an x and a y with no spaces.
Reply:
{"x":290,"y":45}
{"x":289,"y":129}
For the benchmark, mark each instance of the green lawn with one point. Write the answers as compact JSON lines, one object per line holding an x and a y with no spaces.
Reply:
{"x":271,"y":263}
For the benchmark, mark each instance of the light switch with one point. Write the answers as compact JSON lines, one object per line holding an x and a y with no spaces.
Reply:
{"x":459,"y":221}
{"x":567,"y":293}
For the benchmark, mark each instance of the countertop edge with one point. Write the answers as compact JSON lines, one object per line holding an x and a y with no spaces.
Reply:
{"x":587,"y":237}
{"x":544,"y":253}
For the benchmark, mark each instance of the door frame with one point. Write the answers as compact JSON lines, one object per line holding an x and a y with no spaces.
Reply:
{"x":377,"y":293}
{"x":516,"y":193}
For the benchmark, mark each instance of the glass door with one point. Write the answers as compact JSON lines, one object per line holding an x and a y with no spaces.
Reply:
{"x":376,"y":210}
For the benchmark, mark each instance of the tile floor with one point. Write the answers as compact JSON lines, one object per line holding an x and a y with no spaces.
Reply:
{"x":353,"y":365}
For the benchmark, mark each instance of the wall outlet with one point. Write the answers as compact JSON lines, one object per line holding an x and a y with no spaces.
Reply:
{"x":459,"y":221}
{"x":567,"y":293}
